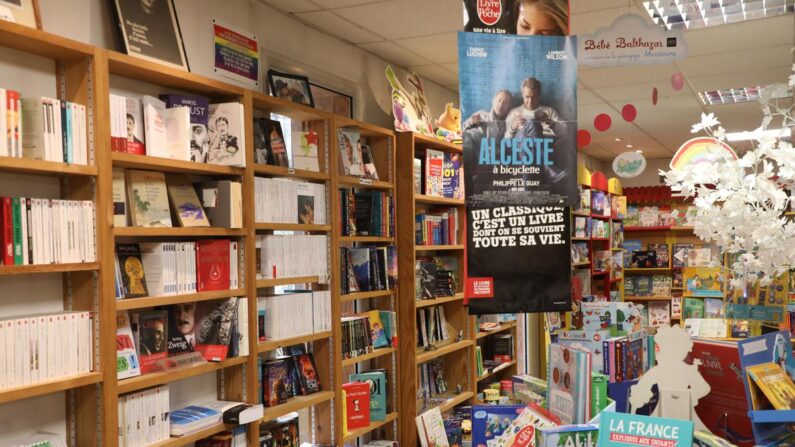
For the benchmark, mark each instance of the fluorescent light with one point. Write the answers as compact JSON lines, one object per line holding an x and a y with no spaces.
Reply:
{"x":629,"y":146}
{"x":640,"y":151}
{"x":618,"y":139}
{"x":758,"y":134}
{"x":730,"y":96}
{"x":693,"y":14}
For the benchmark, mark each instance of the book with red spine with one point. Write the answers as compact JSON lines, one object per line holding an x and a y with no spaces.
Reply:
{"x":212,"y":264}
{"x":357,"y":404}
{"x":7,"y":233}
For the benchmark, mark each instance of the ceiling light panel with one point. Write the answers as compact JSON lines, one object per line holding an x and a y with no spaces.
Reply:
{"x":694,"y":14}
{"x":729,"y":96}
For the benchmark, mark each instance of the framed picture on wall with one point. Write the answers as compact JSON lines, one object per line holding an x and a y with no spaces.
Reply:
{"x":23,"y":12}
{"x":290,"y":86}
{"x":332,"y":101}
{"x":149,"y":29}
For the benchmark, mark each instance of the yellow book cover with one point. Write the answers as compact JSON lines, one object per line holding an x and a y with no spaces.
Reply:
{"x":148,"y":198}
{"x":776,"y":386}
{"x":185,"y":202}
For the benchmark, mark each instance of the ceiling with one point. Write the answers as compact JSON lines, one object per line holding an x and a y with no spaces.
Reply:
{"x":421,"y":35}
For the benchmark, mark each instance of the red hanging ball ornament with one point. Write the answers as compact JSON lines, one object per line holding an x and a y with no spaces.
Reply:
{"x":602,"y":122}
{"x":583,"y":139}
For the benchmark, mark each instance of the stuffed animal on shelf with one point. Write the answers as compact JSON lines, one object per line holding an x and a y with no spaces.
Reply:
{"x":449,"y":124}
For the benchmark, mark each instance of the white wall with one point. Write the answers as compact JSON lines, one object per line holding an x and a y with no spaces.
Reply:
{"x":286,"y":44}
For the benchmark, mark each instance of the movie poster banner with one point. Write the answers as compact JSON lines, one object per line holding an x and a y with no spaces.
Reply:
{"x":519,"y":110}
{"x":524,"y":17}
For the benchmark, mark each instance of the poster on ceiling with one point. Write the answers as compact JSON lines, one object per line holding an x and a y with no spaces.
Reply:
{"x":519,"y":112}
{"x":522,"y":17}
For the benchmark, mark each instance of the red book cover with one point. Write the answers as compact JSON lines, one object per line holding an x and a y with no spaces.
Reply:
{"x":212,"y":264}
{"x":724,"y":411}
{"x":357,"y":404}
{"x":12,"y":105}
{"x":152,"y":338}
{"x":7,"y":231}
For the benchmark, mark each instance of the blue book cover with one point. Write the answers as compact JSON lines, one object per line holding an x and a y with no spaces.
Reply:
{"x":619,"y":430}
{"x":490,"y":421}
{"x":359,"y":258}
{"x":630,"y":246}
{"x":591,"y":342}
{"x":191,"y":414}
{"x":451,"y":176}
{"x":378,"y":390}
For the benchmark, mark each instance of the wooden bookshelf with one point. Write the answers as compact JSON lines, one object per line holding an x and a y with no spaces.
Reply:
{"x":172,"y":375}
{"x":48,"y":268}
{"x":312,"y":228}
{"x":190,"y":438}
{"x":501,"y":328}
{"x":375,"y":425}
{"x":133,"y":161}
{"x":160,"y":232}
{"x":382,"y":144}
{"x":497,"y":370}
{"x":457,"y":356}
{"x":263,"y":283}
{"x":48,"y":387}
{"x":167,"y":300}
{"x":297,"y":403}
{"x":270,"y":345}
{"x":41,"y":167}
{"x":300,"y":174}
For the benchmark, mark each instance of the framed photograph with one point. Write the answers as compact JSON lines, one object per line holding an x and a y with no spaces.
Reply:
{"x":291,"y":87}
{"x":332,"y":101}
{"x":23,"y":12}
{"x":149,"y":29}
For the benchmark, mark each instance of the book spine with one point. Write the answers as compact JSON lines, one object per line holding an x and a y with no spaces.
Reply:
{"x":17,"y":224}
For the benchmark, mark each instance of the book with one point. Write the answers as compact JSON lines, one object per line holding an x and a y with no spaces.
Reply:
{"x":227,"y":134}
{"x":376,"y":380}
{"x":223,"y":203}
{"x":452,"y":176}
{"x":134,"y":118}
{"x":569,"y":381}
{"x":692,"y":308}
{"x":214,"y":330}
{"x":132,"y":270}
{"x":417,"y":176}
{"x":199,"y":115}
{"x":771,"y":387}
{"x":120,"y":215}
{"x":590,"y":341}
{"x":276,"y":382}
{"x":305,"y":150}
{"x":126,"y":355}
{"x":350,"y":152}
{"x":490,"y":421}
{"x":706,"y":282}
{"x":575,"y":435}
{"x":212,"y":264}
{"x":679,"y":254}
{"x":522,"y":431}
{"x":713,"y":308}
{"x":192,"y":418}
{"x":144,"y":415}
{"x":152,"y":338}
{"x":434,"y":173}
{"x":309,"y":380}
{"x":274,"y":136}
{"x":298,"y":202}
{"x":659,"y":315}
{"x":357,"y":404}
{"x":620,"y":429}
{"x":368,"y":161}
{"x":185,"y":202}
{"x":148,"y":196}
{"x":430,"y":429}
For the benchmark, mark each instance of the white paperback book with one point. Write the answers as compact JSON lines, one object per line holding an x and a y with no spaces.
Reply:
{"x":227,"y":134}
{"x":178,"y":132}
{"x":154,"y":126}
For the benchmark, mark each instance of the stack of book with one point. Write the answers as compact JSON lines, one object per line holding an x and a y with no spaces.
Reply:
{"x":287,"y":201}
{"x":439,"y":227}
{"x":362,"y":333}
{"x":288,"y":376}
{"x":366,"y":213}
{"x":365,"y":269}
{"x":34,"y":349}
{"x":283,"y":432}
{"x":46,"y":231}
{"x":310,"y":311}
{"x":436,"y":277}
{"x":51,"y":129}
{"x":431,"y":326}
{"x":284,"y":256}
{"x":144,"y":417}
{"x":439,"y":174}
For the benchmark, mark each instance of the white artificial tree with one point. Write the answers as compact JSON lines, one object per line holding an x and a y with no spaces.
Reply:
{"x":739,"y":203}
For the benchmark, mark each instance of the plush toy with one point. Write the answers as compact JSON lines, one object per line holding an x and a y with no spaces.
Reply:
{"x":449,"y":124}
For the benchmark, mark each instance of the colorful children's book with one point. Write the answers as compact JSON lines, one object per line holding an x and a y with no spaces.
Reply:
{"x":713,"y":308}
{"x":584,"y":435}
{"x":659,"y":314}
{"x":587,"y":341}
{"x":569,"y":379}
{"x":490,"y":421}
{"x":378,"y":390}
{"x":430,"y":429}
{"x":770,"y":387}
{"x":620,"y":430}
{"x":693,"y":308}
{"x":704,"y":282}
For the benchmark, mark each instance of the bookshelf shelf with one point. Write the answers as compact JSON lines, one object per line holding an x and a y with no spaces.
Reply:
{"x":373,"y":355}
{"x":366,"y":295}
{"x":455,"y":400}
{"x":653,"y":229}
{"x":647,"y":298}
{"x":178,"y":232}
{"x":134,"y":161}
{"x":48,"y":268}
{"x":581,"y":264}
{"x":501,"y":328}
{"x":443,"y":350}
{"x":600,"y":239}
{"x":362,"y":183}
{"x":497,"y":369}
{"x":163,"y":377}
{"x":581,"y":239}
{"x":365,"y":239}
{"x":435,"y":143}
{"x":300,"y":112}
{"x":647,"y":270}
{"x":262,"y":283}
{"x":270,"y":345}
{"x":40,"y":167}
{"x":193,"y":437}
{"x":295,"y":404}
{"x":438,"y":247}
{"x":152,"y":301}
{"x":375,"y":425}
{"x":432,"y":200}
{"x":261,"y":169}
{"x":292,"y":227}
{"x":48,"y":387}
{"x":600,"y":217}
{"x":40,"y":43}
{"x":434,"y":302}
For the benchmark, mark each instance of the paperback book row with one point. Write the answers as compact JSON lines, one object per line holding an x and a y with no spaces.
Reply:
{"x":309,"y":311}
{"x":439,"y":174}
{"x":436,"y":277}
{"x":366,"y":213}
{"x":484,"y":367}
{"x":366,"y":269}
{"x":650,"y":285}
{"x":287,"y":201}
{"x":498,"y":348}
{"x":146,"y":340}
{"x":432,"y":383}
{"x":176,"y":268}
{"x":283,"y":432}
{"x":356,"y":157}
{"x":33,"y":348}
{"x":288,"y":376}
{"x":46,"y":231}
{"x":590,"y":228}
{"x":365,"y":332}
{"x":155,"y":199}
{"x":609,"y":261}
{"x":179,"y":127}
{"x":364,"y":399}
{"x":594,"y":202}
{"x":432,"y":327}
{"x":285,"y":256}
{"x":272,"y":148}
{"x":42,"y":128}
{"x":657,"y":215}
{"x":439,"y":227}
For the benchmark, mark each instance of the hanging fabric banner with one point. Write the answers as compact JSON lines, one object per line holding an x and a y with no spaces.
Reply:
{"x":519,"y":106}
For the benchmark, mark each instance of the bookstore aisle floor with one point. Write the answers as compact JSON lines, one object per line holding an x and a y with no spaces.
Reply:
{"x":360,"y":223}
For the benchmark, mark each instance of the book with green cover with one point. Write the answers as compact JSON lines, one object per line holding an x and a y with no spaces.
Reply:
{"x":16,"y":211}
{"x":693,"y":308}
{"x":598,"y":393}
{"x":377,"y":382}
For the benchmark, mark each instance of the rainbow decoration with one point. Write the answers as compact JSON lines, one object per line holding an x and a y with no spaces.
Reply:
{"x":701,"y":150}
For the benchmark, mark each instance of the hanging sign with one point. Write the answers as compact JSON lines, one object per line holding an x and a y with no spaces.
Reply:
{"x":236,"y":54}
{"x":517,"y":17}
{"x":630,"y":40}
{"x":619,"y":430}
{"x":629,"y":164}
